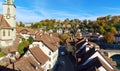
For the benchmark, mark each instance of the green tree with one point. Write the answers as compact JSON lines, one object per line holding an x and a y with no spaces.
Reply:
{"x":30,"y":39}
{"x":117,"y":26}
{"x":114,"y":20}
{"x":2,"y":54}
{"x":77,"y":21}
{"x":91,"y":30}
{"x":26,"y":43}
{"x":102,"y":30}
{"x":113,"y":30}
{"x":21,"y":24}
{"x":22,"y":46}
{"x":66,"y":22}
{"x":107,"y":28}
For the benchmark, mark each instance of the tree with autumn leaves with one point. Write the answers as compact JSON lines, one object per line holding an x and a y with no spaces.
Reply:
{"x":102,"y":25}
{"x":109,"y":37}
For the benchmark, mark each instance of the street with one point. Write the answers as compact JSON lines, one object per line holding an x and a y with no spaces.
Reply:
{"x":64,"y":63}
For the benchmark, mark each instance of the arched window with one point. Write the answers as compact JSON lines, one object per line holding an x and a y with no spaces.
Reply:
{"x":8,"y":32}
{"x":8,"y":11}
{"x":3,"y":32}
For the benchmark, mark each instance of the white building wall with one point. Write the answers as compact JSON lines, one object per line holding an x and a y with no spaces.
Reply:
{"x":52,"y":55}
{"x":102,"y":69}
{"x":46,"y":66}
{"x":7,"y":36}
{"x":26,"y":36}
{"x":4,"y":44}
{"x":6,"y":40}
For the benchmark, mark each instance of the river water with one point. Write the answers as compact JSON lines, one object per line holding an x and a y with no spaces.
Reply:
{"x":117,"y":59}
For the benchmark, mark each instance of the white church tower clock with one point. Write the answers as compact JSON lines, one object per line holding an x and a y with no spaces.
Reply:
{"x":9,"y":13}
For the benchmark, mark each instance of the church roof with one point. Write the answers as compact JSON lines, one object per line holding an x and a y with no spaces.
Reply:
{"x":3,"y":22}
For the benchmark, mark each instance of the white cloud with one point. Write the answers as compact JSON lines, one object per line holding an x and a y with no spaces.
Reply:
{"x":40,"y":13}
{"x":26,"y":15}
{"x":31,"y":15}
{"x":112,"y":8}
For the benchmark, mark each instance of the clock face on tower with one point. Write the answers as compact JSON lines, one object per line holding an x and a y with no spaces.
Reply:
{"x":8,"y":13}
{"x":8,"y":16}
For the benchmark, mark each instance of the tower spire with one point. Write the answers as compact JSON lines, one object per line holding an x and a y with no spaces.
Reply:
{"x":10,"y":1}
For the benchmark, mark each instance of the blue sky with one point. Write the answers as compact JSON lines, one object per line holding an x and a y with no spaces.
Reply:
{"x":37,"y":10}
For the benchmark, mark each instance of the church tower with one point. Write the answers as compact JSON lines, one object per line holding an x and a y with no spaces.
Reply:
{"x":8,"y":24}
{"x":9,"y":13}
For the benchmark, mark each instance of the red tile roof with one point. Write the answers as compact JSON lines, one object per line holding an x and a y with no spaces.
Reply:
{"x":25,"y":30}
{"x":3,"y":22}
{"x":26,"y":64}
{"x":39,"y":55}
{"x":49,"y":41}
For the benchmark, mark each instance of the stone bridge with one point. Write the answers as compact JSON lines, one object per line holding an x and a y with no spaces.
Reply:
{"x":110,"y":53}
